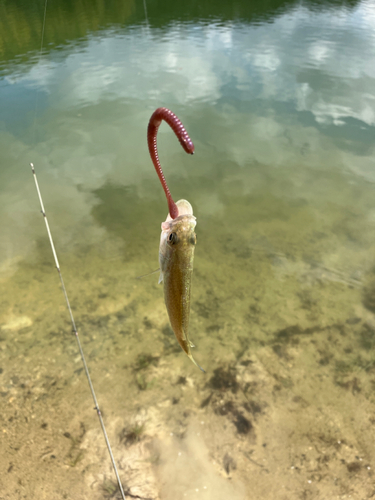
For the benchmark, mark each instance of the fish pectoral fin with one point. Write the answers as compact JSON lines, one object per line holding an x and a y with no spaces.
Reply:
{"x":191,"y":343}
{"x":160,"y":277}
{"x":148,"y":274}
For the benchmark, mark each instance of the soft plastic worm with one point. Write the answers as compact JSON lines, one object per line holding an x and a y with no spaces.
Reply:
{"x":185,"y":141}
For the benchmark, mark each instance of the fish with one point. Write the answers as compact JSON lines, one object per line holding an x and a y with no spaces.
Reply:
{"x":176,"y":258}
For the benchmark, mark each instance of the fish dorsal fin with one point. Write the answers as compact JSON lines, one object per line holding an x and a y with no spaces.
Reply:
{"x":184,"y":208}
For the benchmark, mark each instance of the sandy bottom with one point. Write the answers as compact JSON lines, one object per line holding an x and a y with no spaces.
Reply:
{"x":286,"y":332}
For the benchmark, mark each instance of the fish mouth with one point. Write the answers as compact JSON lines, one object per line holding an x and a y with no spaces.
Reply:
{"x":186,"y":222}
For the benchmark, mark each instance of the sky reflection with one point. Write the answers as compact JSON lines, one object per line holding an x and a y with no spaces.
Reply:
{"x":320,"y":63}
{"x":298,"y":88}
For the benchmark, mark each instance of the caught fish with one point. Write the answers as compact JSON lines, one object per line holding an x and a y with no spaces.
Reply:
{"x":177,"y":240}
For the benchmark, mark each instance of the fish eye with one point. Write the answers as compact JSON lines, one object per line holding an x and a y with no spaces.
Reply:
{"x":172,"y":238}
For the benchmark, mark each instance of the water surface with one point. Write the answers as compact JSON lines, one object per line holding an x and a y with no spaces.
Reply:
{"x":279,"y":101}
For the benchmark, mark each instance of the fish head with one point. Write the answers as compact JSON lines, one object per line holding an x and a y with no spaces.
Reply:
{"x":178,"y":235}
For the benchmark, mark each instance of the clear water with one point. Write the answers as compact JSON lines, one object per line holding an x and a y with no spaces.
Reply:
{"x":279,"y":101}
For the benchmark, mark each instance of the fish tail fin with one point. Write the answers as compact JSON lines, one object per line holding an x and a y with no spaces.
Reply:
{"x":196,"y":364}
{"x":187,"y":343}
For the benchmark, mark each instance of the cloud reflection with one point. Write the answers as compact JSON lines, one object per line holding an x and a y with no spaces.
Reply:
{"x":315,"y":66}
{"x":318,"y":62}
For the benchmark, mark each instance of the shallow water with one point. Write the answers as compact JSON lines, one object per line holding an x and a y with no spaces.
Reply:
{"x":280,"y":104}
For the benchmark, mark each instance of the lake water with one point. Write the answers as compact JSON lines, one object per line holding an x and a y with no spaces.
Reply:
{"x":279,"y":101}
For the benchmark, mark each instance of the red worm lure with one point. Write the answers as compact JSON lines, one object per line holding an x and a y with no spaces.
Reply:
{"x":185,"y":141}
{"x":177,"y":239}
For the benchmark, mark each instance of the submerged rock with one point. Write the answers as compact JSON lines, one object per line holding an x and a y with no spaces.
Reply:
{"x":17,"y":323}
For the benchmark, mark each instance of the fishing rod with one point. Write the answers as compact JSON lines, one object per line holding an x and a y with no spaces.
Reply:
{"x":75,"y":331}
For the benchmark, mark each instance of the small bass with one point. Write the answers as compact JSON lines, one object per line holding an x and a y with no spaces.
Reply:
{"x":178,"y":239}
{"x":176,"y":256}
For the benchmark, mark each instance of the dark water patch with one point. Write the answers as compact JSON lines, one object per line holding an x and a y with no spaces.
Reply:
{"x":354,"y":467}
{"x":229,"y":463}
{"x":290,"y":334}
{"x":71,"y":22}
{"x":243,"y":424}
{"x":170,"y":343}
{"x":253,"y":407}
{"x":367,"y":337}
{"x":66,"y":22}
{"x":123,"y":212}
{"x":225,"y":408}
{"x":224,"y":379}
{"x":144,"y":361}
{"x":209,"y":307}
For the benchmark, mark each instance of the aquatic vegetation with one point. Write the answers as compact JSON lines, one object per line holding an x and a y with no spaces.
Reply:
{"x":228,"y":399}
{"x":143,"y":383}
{"x":368,"y":293}
{"x":224,"y":379}
{"x":75,"y":453}
{"x":144,"y":361}
{"x":110,"y":488}
{"x":133,"y":434}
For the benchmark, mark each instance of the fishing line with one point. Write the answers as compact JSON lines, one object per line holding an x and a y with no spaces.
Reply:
{"x":145,"y":8}
{"x":75,"y":331}
{"x":40,"y":58}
